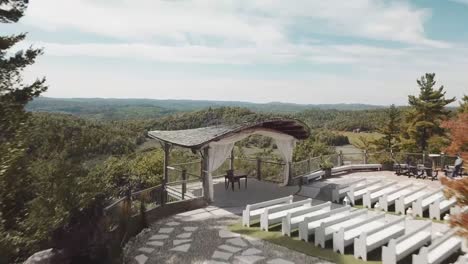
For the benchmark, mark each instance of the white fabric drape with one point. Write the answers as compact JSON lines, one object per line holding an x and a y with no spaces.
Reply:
{"x":219,"y":151}
{"x":286,"y":148}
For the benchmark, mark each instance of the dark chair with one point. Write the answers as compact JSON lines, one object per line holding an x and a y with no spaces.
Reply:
{"x":232,"y":178}
{"x":427,"y":169}
{"x":400,"y":169}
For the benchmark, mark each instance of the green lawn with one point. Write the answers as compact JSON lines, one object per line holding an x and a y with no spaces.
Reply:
{"x":295,"y":244}
{"x":354,"y":138}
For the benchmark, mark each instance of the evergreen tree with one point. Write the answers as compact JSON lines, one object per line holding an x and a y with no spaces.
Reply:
{"x":14,"y":95}
{"x":464,"y":105}
{"x":425,"y":114}
{"x":390,"y":130}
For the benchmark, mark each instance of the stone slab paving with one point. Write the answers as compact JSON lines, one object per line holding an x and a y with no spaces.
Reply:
{"x":201,"y":236}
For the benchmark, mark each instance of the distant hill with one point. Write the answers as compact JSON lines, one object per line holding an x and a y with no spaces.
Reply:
{"x":151,"y":108}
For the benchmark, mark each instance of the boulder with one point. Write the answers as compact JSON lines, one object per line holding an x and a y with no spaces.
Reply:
{"x":48,"y":256}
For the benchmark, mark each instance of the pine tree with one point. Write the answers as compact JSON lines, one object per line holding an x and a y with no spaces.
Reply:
{"x":425,"y":114}
{"x":14,"y":95}
{"x":464,"y":105}
{"x":390,"y":130}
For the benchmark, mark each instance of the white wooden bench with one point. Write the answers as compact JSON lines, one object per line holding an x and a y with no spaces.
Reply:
{"x":441,"y":206}
{"x":371,"y":240}
{"x":346,"y":235}
{"x":356,"y":192}
{"x":422,"y":203}
{"x":439,"y":250}
{"x":370,"y":197}
{"x":406,"y":200}
{"x":252,"y":212}
{"x":274,"y":215}
{"x":292,"y":220}
{"x":316,"y":175}
{"x":403,"y":246}
{"x":340,"y":191}
{"x":308,"y":226}
{"x":352,"y":167}
{"x":389,"y":199}
{"x":341,"y":169}
{"x":366,"y":166}
{"x":325,"y":231}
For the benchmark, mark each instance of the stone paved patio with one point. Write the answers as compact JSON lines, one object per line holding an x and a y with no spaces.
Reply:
{"x":201,"y":236}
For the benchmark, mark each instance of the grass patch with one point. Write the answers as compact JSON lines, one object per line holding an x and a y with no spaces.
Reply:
{"x":355,"y":138}
{"x":295,"y":244}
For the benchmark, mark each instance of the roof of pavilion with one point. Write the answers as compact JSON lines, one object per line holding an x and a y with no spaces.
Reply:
{"x":199,"y":137}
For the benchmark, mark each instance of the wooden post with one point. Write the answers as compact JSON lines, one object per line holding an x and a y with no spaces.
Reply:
{"x":207,"y":184}
{"x":125,"y":214}
{"x":259,"y":168}
{"x":424,"y":158}
{"x":202,"y":175}
{"x":165,"y":173}
{"x":290,"y":173}
{"x":184,"y":183}
{"x":231,"y":164}
{"x":309,"y":167}
{"x":365,"y":156}
{"x":340,"y":158}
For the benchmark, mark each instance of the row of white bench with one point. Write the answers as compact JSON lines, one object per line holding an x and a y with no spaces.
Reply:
{"x":389,"y":193}
{"x":347,"y":226}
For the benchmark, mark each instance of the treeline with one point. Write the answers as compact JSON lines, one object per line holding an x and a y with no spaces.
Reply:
{"x":141,"y":109}
{"x":365,"y":120}
{"x":99,"y":108}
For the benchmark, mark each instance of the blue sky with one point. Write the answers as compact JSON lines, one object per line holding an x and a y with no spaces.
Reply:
{"x":301,"y":51}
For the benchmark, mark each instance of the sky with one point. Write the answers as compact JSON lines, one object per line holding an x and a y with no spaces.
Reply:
{"x":298,"y":51}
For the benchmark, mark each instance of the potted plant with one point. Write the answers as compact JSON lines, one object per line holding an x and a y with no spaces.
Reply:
{"x":326,"y":166}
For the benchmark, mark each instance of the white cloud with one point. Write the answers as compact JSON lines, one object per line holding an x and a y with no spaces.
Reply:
{"x":261,"y":23}
{"x":357,"y":56}
{"x":245,"y":32}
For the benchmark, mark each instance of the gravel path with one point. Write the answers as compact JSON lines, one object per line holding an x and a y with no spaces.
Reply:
{"x":201,"y":236}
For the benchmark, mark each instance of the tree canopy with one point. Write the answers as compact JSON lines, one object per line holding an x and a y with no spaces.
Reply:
{"x":424,"y":116}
